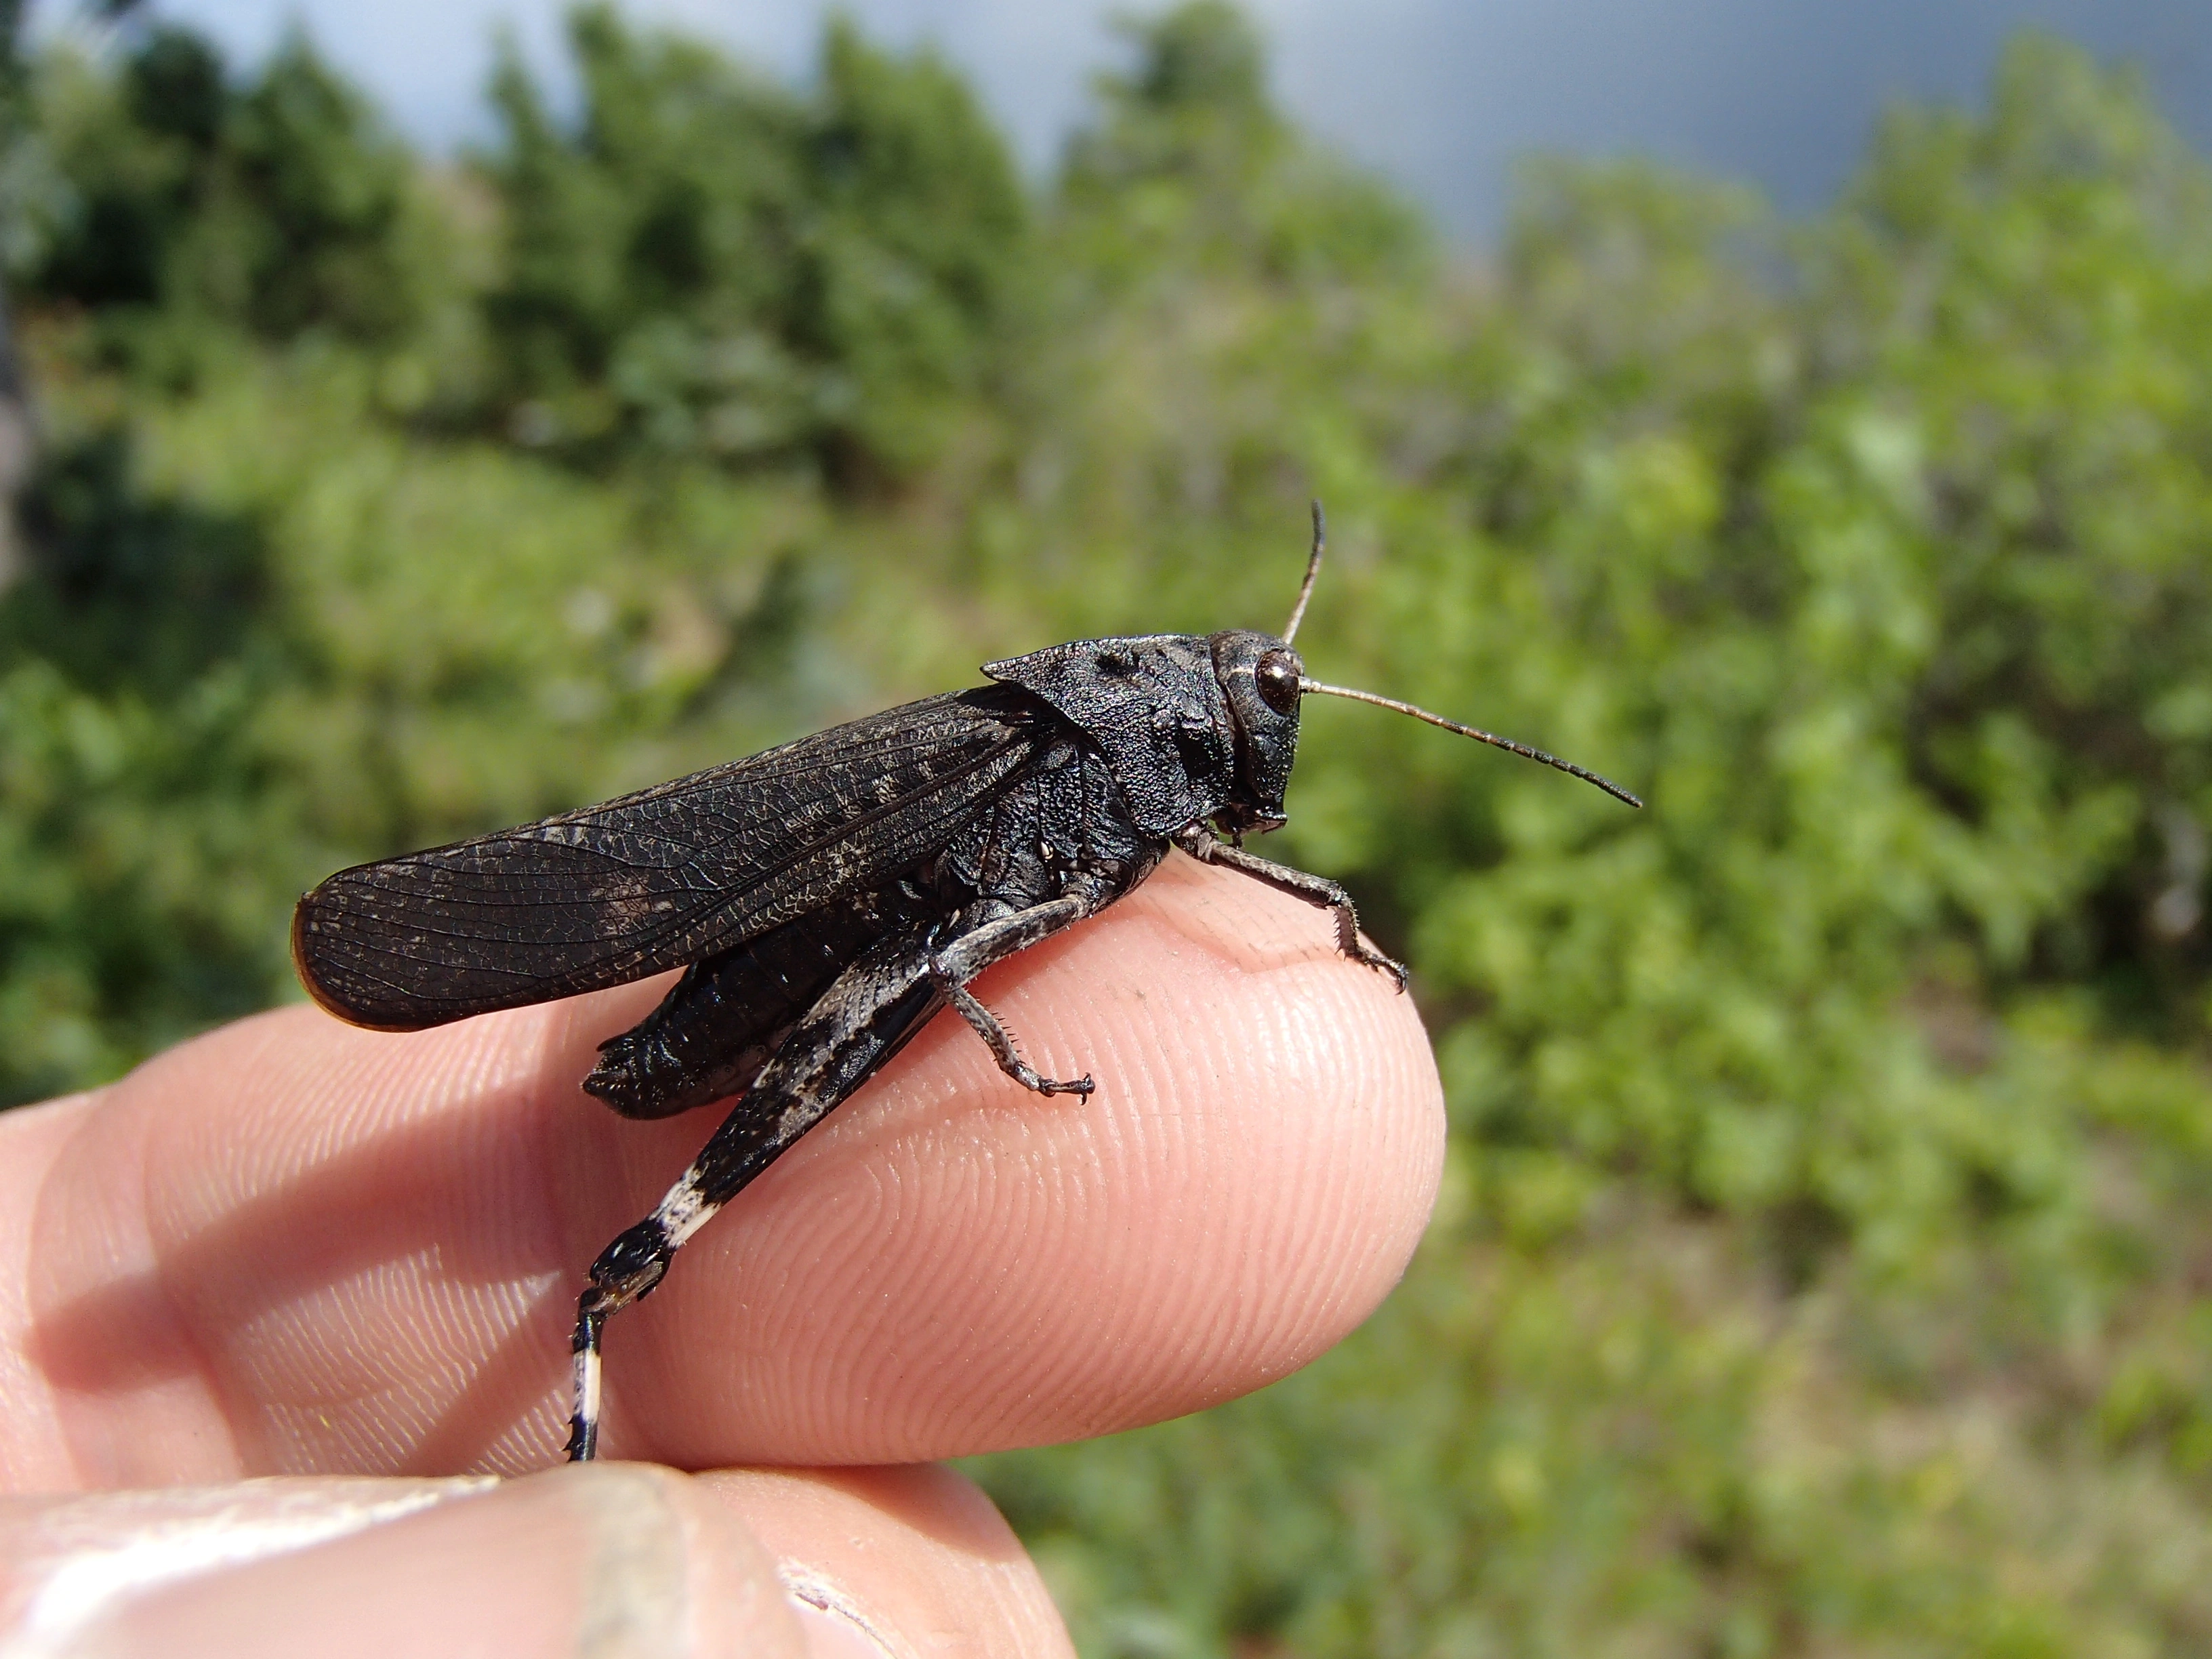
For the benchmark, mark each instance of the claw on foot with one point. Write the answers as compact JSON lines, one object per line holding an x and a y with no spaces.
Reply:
{"x":1036,"y":1083}
{"x":1374,"y":958}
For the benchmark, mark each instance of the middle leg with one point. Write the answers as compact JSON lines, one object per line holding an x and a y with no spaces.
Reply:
{"x":993,"y":940}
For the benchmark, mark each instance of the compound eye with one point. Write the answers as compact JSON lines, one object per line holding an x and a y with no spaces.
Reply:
{"x":1277,"y":675}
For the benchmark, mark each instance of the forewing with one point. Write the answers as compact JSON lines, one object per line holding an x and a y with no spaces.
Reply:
{"x":656,"y":880}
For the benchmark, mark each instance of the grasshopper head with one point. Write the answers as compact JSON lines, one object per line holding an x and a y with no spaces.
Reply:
{"x":1260,"y":675}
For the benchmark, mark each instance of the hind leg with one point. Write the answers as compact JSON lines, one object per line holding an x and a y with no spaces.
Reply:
{"x":864,"y":1018}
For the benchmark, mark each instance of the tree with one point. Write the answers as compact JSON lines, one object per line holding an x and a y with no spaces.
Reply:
{"x":709,"y":264}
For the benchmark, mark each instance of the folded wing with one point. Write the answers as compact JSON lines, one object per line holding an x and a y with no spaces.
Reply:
{"x":656,"y":880}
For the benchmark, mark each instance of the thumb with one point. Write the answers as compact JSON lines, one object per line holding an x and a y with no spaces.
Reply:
{"x":611,"y":1560}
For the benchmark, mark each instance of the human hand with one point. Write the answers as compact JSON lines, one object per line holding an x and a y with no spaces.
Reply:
{"x":291,"y":1248}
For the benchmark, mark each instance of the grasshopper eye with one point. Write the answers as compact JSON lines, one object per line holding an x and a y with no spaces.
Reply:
{"x":1277,"y":675}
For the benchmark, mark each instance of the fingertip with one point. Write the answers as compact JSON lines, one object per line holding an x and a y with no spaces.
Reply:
{"x":952,"y":1264}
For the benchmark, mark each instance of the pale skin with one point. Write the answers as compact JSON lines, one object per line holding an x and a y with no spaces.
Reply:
{"x":295,"y":1248}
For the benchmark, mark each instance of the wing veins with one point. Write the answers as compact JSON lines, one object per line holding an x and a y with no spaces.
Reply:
{"x":372,"y":967}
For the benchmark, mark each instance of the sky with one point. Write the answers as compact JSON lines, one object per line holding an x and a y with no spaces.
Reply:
{"x":1442,"y":96}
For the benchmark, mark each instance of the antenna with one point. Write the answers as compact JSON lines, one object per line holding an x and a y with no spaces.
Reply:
{"x":1521,"y":749}
{"x":1298,"y":614}
{"x":1313,"y":569}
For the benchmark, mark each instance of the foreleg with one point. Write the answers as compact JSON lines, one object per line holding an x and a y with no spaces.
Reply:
{"x":1202,"y":844}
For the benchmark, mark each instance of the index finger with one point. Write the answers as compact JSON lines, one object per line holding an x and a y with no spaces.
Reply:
{"x":293,"y":1246}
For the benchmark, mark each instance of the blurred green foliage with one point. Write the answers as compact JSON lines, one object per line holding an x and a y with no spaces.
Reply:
{"x":705,"y":262}
{"x":1822,"y":1266}
{"x":272,"y":208}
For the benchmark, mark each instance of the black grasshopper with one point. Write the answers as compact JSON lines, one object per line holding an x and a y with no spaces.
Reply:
{"x":827,"y":897}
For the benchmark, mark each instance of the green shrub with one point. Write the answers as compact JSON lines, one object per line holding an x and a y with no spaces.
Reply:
{"x":274,"y":207}
{"x":709,"y":264}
